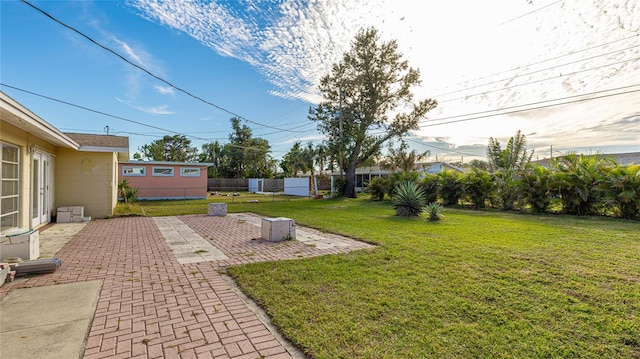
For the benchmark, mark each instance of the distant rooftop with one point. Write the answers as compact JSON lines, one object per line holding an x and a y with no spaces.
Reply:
{"x":623,"y":159}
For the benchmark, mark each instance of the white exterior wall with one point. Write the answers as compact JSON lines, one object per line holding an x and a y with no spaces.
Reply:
{"x":296,"y":186}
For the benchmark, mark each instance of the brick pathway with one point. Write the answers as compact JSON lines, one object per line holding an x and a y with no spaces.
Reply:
{"x":151,"y":306}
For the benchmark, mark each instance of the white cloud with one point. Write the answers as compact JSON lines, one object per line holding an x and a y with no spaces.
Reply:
{"x":164,"y":90}
{"x":473,"y":56}
{"x":154,"y":110}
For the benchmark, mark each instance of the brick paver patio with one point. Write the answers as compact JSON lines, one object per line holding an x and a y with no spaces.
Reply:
{"x":151,"y":306}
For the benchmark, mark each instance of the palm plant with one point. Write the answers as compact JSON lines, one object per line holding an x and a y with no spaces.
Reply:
{"x":429,"y":184}
{"x":377,"y":187}
{"x":450,"y":189}
{"x":578,"y":179}
{"x":535,"y":188}
{"x":126,"y":192}
{"x":621,"y":191}
{"x":477,"y":186}
{"x":408,"y":199}
{"x":506,"y":164}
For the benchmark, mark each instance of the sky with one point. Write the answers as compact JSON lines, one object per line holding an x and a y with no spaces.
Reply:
{"x":565,"y":73}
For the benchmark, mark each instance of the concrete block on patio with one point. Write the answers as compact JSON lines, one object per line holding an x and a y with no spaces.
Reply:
{"x":278,"y":229}
{"x":217,"y":209}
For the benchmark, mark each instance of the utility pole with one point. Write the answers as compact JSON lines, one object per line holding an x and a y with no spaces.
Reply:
{"x":341,"y":138}
{"x":551,"y":150}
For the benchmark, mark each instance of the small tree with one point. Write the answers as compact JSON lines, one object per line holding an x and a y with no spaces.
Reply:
{"x":246,"y":156}
{"x":368,"y":101}
{"x":506,"y":164}
{"x":176,"y":148}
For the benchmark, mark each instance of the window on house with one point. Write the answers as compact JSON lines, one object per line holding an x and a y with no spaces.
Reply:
{"x":162,"y":171}
{"x":133,"y":170}
{"x":189,"y":172}
{"x":9,"y":193}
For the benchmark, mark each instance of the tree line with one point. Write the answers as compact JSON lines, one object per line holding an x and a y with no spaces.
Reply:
{"x":571,"y":184}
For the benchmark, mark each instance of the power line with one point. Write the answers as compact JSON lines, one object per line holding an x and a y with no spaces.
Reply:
{"x":149,"y":72}
{"x":537,"y":63}
{"x":533,"y":103}
{"x":530,"y":12}
{"x":121,"y":118}
{"x":537,"y":81}
{"x":96,"y":111}
{"x":529,"y":109}
{"x":541,"y":70}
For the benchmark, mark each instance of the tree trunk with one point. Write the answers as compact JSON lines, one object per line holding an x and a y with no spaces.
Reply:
{"x":350,"y":178}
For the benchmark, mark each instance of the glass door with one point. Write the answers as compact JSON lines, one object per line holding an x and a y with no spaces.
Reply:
{"x":40,"y":188}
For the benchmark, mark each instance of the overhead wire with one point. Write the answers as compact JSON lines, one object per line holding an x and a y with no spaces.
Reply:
{"x":531,"y":104}
{"x":117,"y":117}
{"x":540,"y":70}
{"x":537,"y":81}
{"x":528,"y":109}
{"x":148,"y":72}
{"x":533,"y":64}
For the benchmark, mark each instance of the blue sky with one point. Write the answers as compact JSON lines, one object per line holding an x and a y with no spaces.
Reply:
{"x":262,"y":60}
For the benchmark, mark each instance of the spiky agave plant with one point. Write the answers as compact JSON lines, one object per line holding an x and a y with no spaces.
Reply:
{"x":434,"y":210}
{"x":408,"y":199}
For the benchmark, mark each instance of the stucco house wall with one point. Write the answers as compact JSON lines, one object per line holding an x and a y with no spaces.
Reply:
{"x":166,"y":180}
{"x":87,"y":179}
{"x":74,"y":169}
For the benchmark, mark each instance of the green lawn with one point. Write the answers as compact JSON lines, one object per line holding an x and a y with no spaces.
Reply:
{"x":476,"y":285}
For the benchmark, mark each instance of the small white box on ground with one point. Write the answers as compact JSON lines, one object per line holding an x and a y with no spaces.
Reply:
{"x":278,"y":229}
{"x":217,"y":209}
{"x":70,"y":214}
{"x":25,"y":246}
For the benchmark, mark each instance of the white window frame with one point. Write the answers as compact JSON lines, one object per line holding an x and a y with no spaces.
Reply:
{"x":3,"y":179}
{"x":164,"y":168}
{"x":141,"y":174}
{"x":183,"y":171}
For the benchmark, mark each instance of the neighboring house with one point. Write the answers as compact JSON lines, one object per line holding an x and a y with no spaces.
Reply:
{"x":44,"y":169}
{"x":623,"y":159}
{"x":365,"y":174}
{"x":166,"y":180}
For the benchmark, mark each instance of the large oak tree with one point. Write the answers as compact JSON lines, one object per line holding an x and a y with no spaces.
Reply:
{"x":368,"y":101}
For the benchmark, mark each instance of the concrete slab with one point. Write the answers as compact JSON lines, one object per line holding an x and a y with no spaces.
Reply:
{"x":48,"y":322}
{"x":187,"y":245}
{"x":308,"y":236}
{"x":54,"y":237}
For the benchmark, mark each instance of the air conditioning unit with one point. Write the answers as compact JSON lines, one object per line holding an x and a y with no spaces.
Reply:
{"x":278,"y":229}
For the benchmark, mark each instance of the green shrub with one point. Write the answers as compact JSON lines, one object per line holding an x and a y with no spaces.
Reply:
{"x":578,"y":180}
{"x":399,"y":177}
{"x":429,"y":184}
{"x":477,"y":186}
{"x":378,"y":187}
{"x":434,"y":210}
{"x":126,"y":192}
{"x":506,"y":191}
{"x":535,"y":188}
{"x":408,"y":199}
{"x":450,"y":187}
{"x":621,"y":191}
